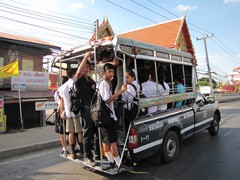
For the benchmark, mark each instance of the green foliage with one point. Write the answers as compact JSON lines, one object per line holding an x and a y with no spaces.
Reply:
{"x":205,"y":82}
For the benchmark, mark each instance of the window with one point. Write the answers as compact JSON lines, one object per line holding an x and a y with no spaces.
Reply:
{"x":178,"y":58}
{"x":127,"y":49}
{"x":27,"y":65}
{"x":145,"y":52}
{"x":188,"y":78}
{"x":162,"y":55}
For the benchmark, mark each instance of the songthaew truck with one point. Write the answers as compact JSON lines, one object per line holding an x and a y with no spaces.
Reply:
{"x":155,"y":135}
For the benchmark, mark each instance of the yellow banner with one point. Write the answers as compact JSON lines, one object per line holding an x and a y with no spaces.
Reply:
{"x":3,"y":127}
{"x":9,"y":70}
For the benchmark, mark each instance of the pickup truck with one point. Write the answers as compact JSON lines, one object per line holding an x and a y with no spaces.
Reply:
{"x":158,"y":136}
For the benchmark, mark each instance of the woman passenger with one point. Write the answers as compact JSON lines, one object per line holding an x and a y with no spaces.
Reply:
{"x":128,"y":97}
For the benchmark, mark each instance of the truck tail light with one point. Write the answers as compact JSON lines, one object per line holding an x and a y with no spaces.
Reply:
{"x":133,"y":141}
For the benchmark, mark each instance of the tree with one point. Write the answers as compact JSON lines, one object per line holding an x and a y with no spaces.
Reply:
{"x":205,"y":82}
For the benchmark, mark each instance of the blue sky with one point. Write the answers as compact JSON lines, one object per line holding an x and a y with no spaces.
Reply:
{"x":74,"y":19}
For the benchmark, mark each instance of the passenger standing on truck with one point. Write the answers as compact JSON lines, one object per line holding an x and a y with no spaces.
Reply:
{"x":180,"y":89}
{"x":149,"y":88}
{"x":164,"y":89}
{"x":109,"y":132}
{"x":105,"y":57}
{"x":73,"y":124}
{"x":87,"y":85}
{"x":128,"y":96}
{"x":59,"y":121}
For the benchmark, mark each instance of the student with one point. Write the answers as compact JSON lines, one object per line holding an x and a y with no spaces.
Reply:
{"x":90,"y":133}
{"x":59,"y":121}
{"x":109,"y":133}
{"x":164,"y":90}
{"x":180,"y":89}
{"x":73,"y":124}
{"x":128,"y":96}
{"x":149,"y":88}
{"x":105,"y":57}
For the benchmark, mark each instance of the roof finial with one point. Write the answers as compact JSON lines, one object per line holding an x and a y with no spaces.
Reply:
{"x":185,"y":14}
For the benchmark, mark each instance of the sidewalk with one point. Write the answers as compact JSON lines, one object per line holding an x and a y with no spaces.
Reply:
{"x":33,"y":139}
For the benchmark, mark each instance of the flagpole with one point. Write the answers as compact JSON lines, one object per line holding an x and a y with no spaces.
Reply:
{"x":19,"y":99}
{"x":20,"y":106}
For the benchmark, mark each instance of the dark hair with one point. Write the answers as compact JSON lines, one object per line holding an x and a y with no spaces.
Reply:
{"x":104,"y":54}
{"x":64,"y":79}
{"x":71,"y":72}
{"x":130,"y":72}
{"x":143,"y":75}
{"x":179,"y":79}
{"x":108,"y":66}
{"x":161,"y":78}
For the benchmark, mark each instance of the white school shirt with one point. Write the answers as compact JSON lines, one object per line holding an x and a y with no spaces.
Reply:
{"x":57,"y":96}
{"x":65,"y":95}
{"x":163,"y":92}
{"x":105,"y":92}
{"x":149,"y":89}
{"x":128,"y":96}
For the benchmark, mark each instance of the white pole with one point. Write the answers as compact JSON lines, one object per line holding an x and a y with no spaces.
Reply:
{"x":20,"y":106}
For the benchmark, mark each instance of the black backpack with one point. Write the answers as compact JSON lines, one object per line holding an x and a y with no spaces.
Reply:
{"x":135,"y":110}
{"x":75,"y":95}
{"x":99,"y":112}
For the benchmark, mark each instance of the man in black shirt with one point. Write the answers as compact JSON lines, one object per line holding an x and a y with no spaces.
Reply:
{"x":87,"y":86}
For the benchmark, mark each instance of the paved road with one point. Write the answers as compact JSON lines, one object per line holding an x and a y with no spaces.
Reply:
{"x":201,"y":157}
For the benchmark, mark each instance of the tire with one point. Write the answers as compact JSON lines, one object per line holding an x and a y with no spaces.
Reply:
{"x":214,"y":128}
{"x":170,"y":147}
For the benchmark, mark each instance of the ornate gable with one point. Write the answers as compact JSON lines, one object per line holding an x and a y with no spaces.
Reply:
{"x":104,"y":30}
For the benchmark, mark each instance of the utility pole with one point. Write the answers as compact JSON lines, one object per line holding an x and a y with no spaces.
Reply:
{"x":207,"y":60}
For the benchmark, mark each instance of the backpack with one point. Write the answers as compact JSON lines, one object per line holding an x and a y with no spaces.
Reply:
{"x":135,"y":110}
{"x":100,"y":113}
{"x":75,"y":95}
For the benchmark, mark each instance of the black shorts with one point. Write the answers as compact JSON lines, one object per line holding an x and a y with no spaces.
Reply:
{"x":59,"y":127}
{"x":109,"y":133}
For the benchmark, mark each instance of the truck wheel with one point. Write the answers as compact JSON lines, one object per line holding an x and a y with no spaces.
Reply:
{"x":170,"y":147}
{"x":214,"y":128}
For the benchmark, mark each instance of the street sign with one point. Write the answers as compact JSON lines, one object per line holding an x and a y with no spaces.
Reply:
{"x":39,"y":106}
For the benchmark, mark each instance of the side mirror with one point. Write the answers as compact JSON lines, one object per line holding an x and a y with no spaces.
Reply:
{"x":210,"y":99}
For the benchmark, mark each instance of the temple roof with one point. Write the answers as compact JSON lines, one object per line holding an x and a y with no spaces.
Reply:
{"x":104,"y":30}
{"x":167,"y":34}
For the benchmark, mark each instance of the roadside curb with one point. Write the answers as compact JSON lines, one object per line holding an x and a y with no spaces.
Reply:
{"x":16,"y":151}
{"x":227,"y":99}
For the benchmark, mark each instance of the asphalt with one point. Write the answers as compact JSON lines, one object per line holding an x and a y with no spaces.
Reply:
{"x":34,"y":139}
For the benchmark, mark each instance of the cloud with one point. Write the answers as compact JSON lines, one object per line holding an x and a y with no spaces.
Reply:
{"x":183,"y":8}
{"x":75,"y":6}
{"x":91,"y":1}
{"x":230,"y":1}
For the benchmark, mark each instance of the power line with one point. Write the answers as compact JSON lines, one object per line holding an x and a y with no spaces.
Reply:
{"x":47,"y":19}
{"x":226,"y":47}
{"x":237,"y":62}
{"x":179,"y":17}
{"x":76,"y":18}
{"x":131,"y":11}
{"x":43,"y":27}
